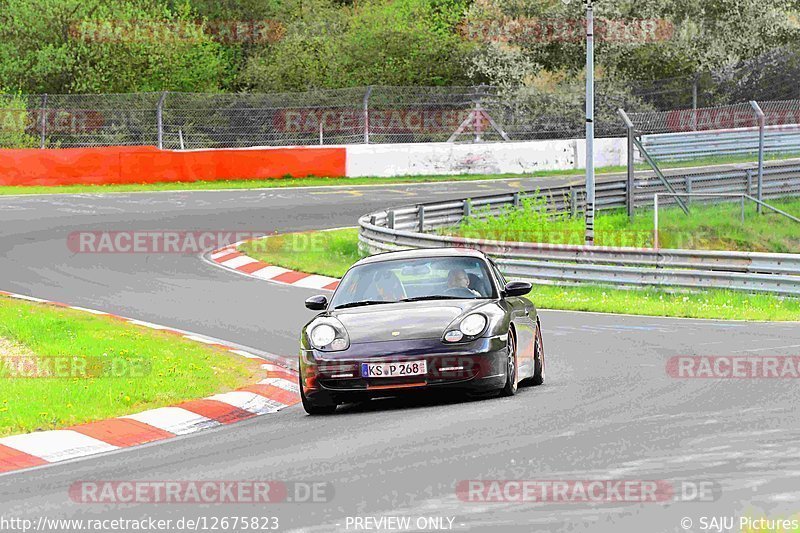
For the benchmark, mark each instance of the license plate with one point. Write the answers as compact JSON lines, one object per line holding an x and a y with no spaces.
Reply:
{"x":393,"y":370}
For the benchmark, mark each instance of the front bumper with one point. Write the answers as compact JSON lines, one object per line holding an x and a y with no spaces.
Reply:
{"x":476,"y":366}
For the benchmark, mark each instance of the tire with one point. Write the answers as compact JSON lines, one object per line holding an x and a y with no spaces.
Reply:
{"x":315,"y":408}
{"x":512,"y":383}
{"x":538,"y":357}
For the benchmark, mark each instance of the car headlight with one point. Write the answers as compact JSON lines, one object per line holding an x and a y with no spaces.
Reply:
{"x":322,"y":335}
{"x":473,"y":325}
{"x":327,"y":334}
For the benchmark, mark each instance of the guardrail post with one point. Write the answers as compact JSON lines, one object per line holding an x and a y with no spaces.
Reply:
{"x":160,"y":120}
{"x":761,"y":124}
{"x":467,"y":207}
{"x":390,"y":219}
{"x":43,"y":122}
{"x":421,"y":216}
{"x":688,"y":188}
{"x":629,"y":196}
{"x":655,"y":224}
{"x":366,"y":114}
{"x":742,"y":209}
{"x":749,"y":181}
{"x":516,"y":199}
{"x":573,"y":203}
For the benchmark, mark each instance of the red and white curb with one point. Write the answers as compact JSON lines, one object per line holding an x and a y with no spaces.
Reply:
{"x":232,"y":259}
{"x":277,"y":391}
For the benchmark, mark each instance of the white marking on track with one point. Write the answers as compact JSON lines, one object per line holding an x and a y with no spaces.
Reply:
{"x":237,"y":262}
{"x":249,"y":401}
{"x":247,"y":354}
{"x":314,"y":281}
{"x":57,"y":445}
{"x":270,"y":272}
{"x":175,"y":420}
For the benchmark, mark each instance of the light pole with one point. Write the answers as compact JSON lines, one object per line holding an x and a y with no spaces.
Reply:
{"x":589,"y":210}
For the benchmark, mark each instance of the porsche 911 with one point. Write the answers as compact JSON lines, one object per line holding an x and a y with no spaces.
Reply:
{"x":431,"y":319}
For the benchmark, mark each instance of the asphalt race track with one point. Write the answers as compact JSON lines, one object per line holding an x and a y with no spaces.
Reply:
{"x":607,"y":411}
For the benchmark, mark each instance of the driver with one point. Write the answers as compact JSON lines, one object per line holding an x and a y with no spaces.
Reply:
{"x":458,"y":279}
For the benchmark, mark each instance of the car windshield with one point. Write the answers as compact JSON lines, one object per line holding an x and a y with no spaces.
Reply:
{"x":429,"y":278}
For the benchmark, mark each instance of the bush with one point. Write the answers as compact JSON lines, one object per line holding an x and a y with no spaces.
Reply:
{"x":14,"y":120}
{"x":409,"y":42}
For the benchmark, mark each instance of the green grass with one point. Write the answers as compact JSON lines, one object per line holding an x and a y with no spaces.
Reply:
{"x":331,"y":253}
{"x":322,"y":181}
{"x":707,"y":227}
{"x":716,"y":304}
{"x":173,"y":369}
{"x":278,"y":183}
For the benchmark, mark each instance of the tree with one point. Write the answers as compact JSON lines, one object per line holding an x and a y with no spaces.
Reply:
{"x":60,"y":46}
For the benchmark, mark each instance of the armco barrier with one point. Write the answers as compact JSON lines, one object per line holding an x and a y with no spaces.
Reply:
{"x":783,"y":139}
{"x":148,"y":164}
{"x":406,"y":227}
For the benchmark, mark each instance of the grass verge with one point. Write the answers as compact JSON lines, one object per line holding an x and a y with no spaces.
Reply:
{"x":331,"y":253}
{"x":61,"y":367}
{"x":707,"y":227}
{"x":278,"y":183}
{"x":322,"y":181}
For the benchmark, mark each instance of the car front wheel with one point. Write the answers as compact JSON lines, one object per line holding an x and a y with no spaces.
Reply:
{"x":510,"y":388}
{"x":315,"y":408}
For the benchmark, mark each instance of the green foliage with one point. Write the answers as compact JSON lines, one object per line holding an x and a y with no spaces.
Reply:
{"x":92,"y":46}
{"x":59,"y":46}
{"x":409,"y":42}
{"x":13,"y":123}
{"x":691,"y":37}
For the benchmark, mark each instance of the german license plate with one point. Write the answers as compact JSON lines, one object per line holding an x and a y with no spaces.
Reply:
{"x":393,"y":370}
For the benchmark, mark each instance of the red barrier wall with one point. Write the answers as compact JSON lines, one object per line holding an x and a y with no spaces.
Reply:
{"x":148,"y":164}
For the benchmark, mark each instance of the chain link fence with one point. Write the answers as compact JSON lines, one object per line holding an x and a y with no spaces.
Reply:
{"x":375,"y":114}
{"x":379,"y":114}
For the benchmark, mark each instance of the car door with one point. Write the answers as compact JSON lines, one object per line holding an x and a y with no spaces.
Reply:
{"x":523,"y":315}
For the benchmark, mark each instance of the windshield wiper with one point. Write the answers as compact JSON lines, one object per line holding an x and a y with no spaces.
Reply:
{"x":434,"y":297}
{"x":360,"y":303}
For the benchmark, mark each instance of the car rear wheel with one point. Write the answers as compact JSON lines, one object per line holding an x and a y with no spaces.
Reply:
{"x":510,"y":388}
{"x":315,"y":408}
{"x":538,"y":357}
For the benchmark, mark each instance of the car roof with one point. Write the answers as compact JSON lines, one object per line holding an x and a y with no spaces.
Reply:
{"x":422,"y":253}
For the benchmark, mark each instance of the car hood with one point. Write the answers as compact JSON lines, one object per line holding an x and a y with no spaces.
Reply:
{"x":403,"y":321}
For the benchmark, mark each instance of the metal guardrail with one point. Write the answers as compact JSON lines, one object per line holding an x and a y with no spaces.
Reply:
{"x":410,"y":227}
{"x":690,"y":145}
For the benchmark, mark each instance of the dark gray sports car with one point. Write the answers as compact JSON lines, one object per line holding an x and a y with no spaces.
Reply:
{"x":404,"y":321}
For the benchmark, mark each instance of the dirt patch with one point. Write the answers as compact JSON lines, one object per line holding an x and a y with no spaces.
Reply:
{"x":9,"y":348}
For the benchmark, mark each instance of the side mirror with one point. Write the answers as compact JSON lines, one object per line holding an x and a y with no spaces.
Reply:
{"x":517,"y":288}
{"x":317,"y":303}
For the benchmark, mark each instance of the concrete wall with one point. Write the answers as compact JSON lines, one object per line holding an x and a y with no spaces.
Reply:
{"x":140,"y":164}
{"x":386,"y":160}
